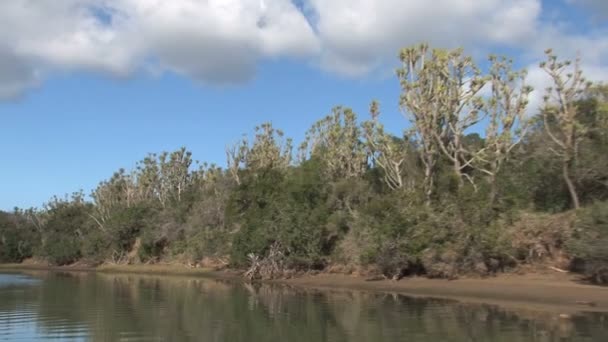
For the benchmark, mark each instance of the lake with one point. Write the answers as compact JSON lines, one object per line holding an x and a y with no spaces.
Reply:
{"x":85,"y":306}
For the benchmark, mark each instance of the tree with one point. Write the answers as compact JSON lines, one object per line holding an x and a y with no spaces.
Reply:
{"x":592,"y":163}
{"x":440,"y":98}
{"x":388,"y":152}
{"x":560,"y":115}
{"x":235,"y":158}
{"x":459,"y":82}
{"x":336,"y":140}
{"x":507,"y":125}
{"x":147,"y":173}
{"x":418,"y":89}
{"x":119,"y":191}
{"x":174,"y":174}
{"x":269,"y":150}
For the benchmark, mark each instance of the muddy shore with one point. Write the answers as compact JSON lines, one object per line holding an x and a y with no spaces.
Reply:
{"x":559,"y":292}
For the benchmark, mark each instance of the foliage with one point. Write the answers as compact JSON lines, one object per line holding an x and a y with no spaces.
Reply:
{"x":286,"y":208}
{"x":18,"y":236}
{"x":590,"y":243}
{"x":67,"y":224}
{"x":439,"y":198}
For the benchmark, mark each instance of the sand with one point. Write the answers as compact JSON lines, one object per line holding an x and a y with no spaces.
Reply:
{"x":554,"y":291}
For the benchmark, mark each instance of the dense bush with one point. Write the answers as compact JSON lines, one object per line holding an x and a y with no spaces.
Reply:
{"x":290,"y":209}
{"x":62,"y":249}
{"x":18,"y":237}
{"x":67,"y":225}
{"x":589,"y":245}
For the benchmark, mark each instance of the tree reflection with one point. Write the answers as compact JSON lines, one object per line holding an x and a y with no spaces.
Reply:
{"x":121,"y":307}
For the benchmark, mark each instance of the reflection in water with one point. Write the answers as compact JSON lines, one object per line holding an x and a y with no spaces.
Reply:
{"x":100,"y":307}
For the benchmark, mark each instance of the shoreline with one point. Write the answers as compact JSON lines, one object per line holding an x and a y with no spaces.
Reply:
{"x":556,"y":292}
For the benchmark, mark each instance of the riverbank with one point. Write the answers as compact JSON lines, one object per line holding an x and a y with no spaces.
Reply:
{"x":559,"y":292}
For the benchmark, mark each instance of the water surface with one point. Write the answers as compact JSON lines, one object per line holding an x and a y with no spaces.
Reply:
{"x":100,"y":307}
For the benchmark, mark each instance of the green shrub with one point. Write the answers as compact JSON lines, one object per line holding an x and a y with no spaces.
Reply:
{"x":18,"y":238}
{"x":589,"y":245}
{"x":62,"y":250}
{"x":288,"y":208}
{"x":67,"y":225}
{"x":152,"y":247}
{"x":126,"y":224}
{"x":97,"y":247}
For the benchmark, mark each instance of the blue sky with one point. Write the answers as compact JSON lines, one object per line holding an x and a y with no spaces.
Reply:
{"x":88,"y":94}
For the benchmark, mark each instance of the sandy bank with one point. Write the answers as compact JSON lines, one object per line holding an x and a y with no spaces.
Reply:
{"x":546,"y":291}
{"x":555,"y":292}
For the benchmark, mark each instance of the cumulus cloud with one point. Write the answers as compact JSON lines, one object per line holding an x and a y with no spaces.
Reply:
{"x":214,"y":41}
{"x":357,"y":36}
{"x":16,"y":76}
{"x":222,"y":41}
{"x":39,"y":34}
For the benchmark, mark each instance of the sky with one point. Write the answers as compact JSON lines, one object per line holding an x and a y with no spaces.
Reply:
{"x":91,"y":86}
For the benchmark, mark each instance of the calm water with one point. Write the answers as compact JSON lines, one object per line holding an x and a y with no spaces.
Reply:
{"x":99,"y":307}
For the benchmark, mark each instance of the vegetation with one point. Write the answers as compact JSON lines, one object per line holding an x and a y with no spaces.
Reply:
{"x":475,"y":184}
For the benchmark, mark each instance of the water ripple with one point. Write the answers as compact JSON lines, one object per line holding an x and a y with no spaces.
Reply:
{"x":89,"y":307}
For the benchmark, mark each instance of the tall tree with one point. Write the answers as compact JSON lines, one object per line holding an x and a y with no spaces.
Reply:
{"x":440,"y":97}
{"x":419,"y":87}
{"x":560,"y":117}
{"x":235,"y":158}
{"x":507,"y":124}
{"x":119,"y":191}
{"x":388,"y":152}
{"x":269,"y":150}
{"x":174,"y":174}
{"x":459,"y":83}
{"x":336,"y":140}
{"x":147,"y":173}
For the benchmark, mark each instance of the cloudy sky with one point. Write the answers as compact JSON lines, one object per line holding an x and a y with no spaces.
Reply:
{"x":89,"y":86}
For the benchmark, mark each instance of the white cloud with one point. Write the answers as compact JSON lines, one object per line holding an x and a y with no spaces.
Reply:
{"x":359,"y":35}
{"x":221,"y":41}
{"x":215,"y":41}
{"x":16,"y":76}
{"x":42,"y":36}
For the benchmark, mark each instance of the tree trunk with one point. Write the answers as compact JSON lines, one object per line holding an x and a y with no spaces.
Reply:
{"x":495,"y":166}
{"x":458,"y":171}
{"x":493,"y":190}
{"x":428,"y":184}
{"x":570,"y":184}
